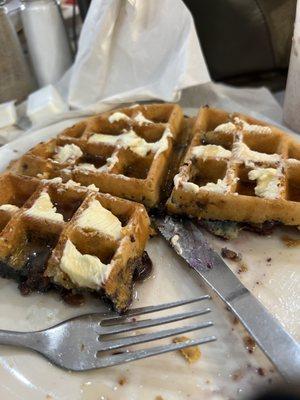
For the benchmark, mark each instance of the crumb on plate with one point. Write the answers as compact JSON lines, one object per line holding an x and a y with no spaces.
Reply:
{"x":249,"y":344}
{"x":191,"y":354}
{"x":238,"y":375}
{"x":122,"y":381}
{"x":242,"y":267}
{"x":230,"y":254}
{"x":261,"y":371}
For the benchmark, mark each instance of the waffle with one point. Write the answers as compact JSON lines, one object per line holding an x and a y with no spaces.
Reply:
{"x":238,"y":168}
{"x":123,"y":152}
{"x":56,"y":235}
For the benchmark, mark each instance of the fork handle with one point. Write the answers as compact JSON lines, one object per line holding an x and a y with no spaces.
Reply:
{"x":30,"y":340}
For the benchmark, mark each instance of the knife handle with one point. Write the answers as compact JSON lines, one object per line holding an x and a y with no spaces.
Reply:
{"x":277,"y":344}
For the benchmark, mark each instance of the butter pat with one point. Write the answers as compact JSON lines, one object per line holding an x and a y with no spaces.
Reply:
{"x":241,"y":151}
{"x":118,"y":116}
{"x":163,"y":144}
{"x":84,"y":270}
{"x":101,"y":138}
{"x":56,"y":180}
{"x":268,"y":182}
{"x":186,"y":186}
{"x":141,"y":120}
{"x":9,"y":208}
{"x":67,"y":152}
{"x":135,"y":143}
{"x":210,"y":150}
{"x":87,"y":167}
{"x":98,"y":218}
{"x":177,"y":180}
{"x":227,"y":127}
{"x":93,"y":187}
{"x":252,"y":128}
{"x":219,"y":187}
{"x":43,"y":208}
{"x":130,"y":140}
{"x":240,"y":124}
{"x":71,"y":184}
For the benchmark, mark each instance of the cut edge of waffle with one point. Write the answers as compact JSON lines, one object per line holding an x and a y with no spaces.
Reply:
{"x":123,"y":152}
{"x":50,"y":237}
{"x":238,"y":168}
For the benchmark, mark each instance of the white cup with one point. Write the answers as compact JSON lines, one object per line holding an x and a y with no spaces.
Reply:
{"x":47,"y":40}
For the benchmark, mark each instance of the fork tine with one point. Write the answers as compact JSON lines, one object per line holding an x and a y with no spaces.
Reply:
{"x":152,"y":309}
{"x":132,"y":340}
{"x":111,"y":329}
{"x":139,"y":354}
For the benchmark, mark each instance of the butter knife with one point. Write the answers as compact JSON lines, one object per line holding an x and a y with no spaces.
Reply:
{"x":190,"y":244}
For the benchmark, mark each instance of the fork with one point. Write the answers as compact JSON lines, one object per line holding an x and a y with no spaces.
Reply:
{"x":82,"y":343}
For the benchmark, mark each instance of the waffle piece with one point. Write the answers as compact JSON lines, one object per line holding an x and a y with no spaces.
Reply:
{"x":123,"y":152}
{"x":239,"y":169}
{"x":68,"y":236}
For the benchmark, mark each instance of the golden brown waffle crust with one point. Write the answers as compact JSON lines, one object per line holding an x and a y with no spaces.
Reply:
{"x":234,"y":205}
{"x":17,"y":226}
{"x":129,"y":175}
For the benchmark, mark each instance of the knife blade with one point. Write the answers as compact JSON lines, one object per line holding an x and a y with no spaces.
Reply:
{"x":190,"y":244}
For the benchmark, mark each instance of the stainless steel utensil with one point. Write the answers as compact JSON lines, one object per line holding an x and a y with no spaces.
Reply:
{"x":190,"y":244}
{"x":79,"y":343}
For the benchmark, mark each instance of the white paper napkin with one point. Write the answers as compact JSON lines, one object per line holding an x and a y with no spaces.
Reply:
{"x":133,"y":50}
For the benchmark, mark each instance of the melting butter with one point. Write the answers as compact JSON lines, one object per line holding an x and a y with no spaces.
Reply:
{"x":84,"y":270}
{"x":268,"y":182}
{"x":98,"y":218}
{"x":67,"y":152}
{"x":43,"y":208}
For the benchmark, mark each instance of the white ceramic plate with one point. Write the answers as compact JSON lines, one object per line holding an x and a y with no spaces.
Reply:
{"x":226,"y":369}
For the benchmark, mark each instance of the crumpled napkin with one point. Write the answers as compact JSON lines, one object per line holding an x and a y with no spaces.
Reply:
{"x":133,"y":50}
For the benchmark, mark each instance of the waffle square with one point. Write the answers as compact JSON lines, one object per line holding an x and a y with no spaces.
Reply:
{"x":69,"y":236}
{"x":238,"y":168}
{"x":123,"y":152}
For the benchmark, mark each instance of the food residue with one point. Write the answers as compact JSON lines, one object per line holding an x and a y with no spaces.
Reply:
{"x":249,"y":343}
{"x":230,"y":254}
{"x":175,"y":244}
{"x":236,"y":257}
{"x":191,"y":354}
{"x":243,"y":267}
{"x":122,"y":380}
{"x":73,"y":299}
{"x":290,"y":242}
{"x":238,"y":375}
{"x":261,"y":371}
